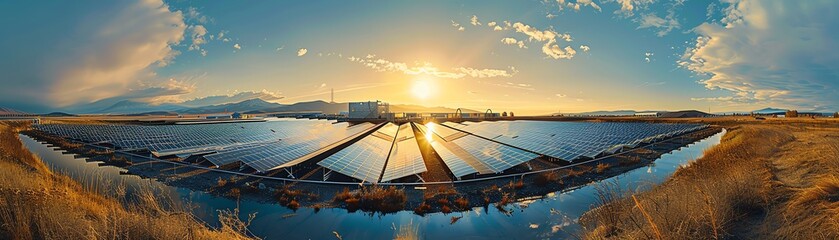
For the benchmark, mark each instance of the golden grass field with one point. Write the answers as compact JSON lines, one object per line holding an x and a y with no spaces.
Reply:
{"x":36,"y":203}
{"x":771,"y":179}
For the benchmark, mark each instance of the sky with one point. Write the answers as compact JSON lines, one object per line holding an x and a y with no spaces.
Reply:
{"x":529,"y":57}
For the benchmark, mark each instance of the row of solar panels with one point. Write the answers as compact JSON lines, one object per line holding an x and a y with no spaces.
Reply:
{"x":390,"y":152}
{"x":178,"y":139}
{"x":573,"y":140}
{"x":262,"y":146}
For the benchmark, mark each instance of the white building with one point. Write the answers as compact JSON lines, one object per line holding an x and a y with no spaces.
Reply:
{"x":369,"y":110}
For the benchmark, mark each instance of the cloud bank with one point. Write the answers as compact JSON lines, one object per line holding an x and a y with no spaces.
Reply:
{"x":779,"y":53}
{"x":67,"y":52}
{"x":383,"y":65}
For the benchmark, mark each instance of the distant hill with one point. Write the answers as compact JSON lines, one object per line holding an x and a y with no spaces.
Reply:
{"x":57,"y":114}
{"x":154,"y":113}
{"x":322,"y":106}
{"x":129,"y":107}
{"x":611,"y":113}
{"x":684,"y":114}
{"x":770,"y":111}
{"x":243,"y":106}
{"x":424,"y":109}
{"x":225,"y":99}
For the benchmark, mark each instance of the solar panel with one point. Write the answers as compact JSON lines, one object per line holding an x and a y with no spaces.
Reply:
{"x":365,"y":159}
{"x":300,"y":148}
{"x":405,"y":156}
{"x":483,"y":155}
{"x":457,"y":165}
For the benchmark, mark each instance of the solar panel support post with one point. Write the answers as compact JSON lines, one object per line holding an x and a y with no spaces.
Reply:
{"x":326,"y":174}
{"x":290,"y":172}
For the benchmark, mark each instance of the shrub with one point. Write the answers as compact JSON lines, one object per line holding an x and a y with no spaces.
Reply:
{"x":443,"y":202}
{"x":602,"y":167}
{"x":462,"y":203}
{"x":342,"y":196}
{"x":221,"y":182}
{"x":422,"y":209}
{"x":629,"y":160}
{"x":518,"y":185}
{"x":543,"y":179}
{"x":353,"y":204}
{"x":293,"y":205}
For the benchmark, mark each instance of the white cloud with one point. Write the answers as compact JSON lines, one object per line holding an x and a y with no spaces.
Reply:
{"x":197,"y":33}
{"x":457,"y":26}
{"x":474,"y":20}
{"x":576,"y":6}
{"x":584,"y":48}
{"x":193,"y":15}
{"x":237,"y":46}
{"x":548,"y":37}
{"x":491,"y":24}
{"x":648,"y":57}
{"x":779,"y":53}
{"x":92,"y":56}
{"x":664,"y":25}
{"x":561,"y":95}
{"x":513,"y":41}
{"x":483,"y":73}
{"x":301,"y":52}
{"x":628,"y":7}
{"x":383,"y":65}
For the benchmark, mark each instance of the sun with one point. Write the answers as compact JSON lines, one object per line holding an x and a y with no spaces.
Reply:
{"x":422,"y":89}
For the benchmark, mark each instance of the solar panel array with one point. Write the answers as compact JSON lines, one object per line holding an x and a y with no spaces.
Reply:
{"x":572,"y":140}
{"x":389,"y":153}
{"x":405,"y":156}
{"x":366,"y":158}
{"x":263,"y":146}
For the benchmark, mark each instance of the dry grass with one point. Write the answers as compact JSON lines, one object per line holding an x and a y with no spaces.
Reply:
{"x":762,"y":181}
{"x":36,"y":203}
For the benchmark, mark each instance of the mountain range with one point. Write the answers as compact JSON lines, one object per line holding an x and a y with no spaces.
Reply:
{"x":250,"y":106}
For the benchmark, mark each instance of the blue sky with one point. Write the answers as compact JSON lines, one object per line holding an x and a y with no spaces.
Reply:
{"x":531,"y":57}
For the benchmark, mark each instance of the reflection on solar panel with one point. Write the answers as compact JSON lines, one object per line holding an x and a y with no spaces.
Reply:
{"x":456,"y":164}
{"x":263,"y":145}
{"x":492,"y":157}
{"x":405,"y":157}
{"x":572,"y":140}
{"x":366,"y":158}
